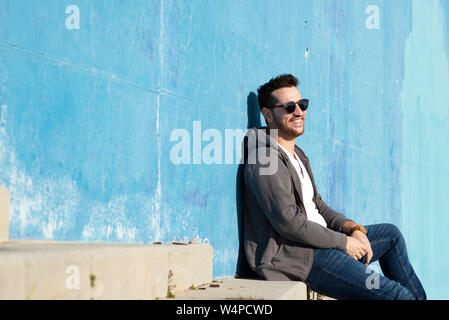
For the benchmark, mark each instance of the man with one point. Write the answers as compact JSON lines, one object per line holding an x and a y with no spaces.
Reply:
{"x":289,"y":233}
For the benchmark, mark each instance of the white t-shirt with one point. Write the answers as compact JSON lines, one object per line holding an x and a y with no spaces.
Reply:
{"x":307,"y":189}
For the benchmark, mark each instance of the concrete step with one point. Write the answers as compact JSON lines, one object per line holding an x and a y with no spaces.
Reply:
{"x":245,"y":289}
{"x":65,"y":270}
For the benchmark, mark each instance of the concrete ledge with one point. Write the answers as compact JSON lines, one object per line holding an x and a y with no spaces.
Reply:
{"x":244,"y":289}
{"x":65,"y":270}
{"x":4,"y":213}
{"x":189,"y":266}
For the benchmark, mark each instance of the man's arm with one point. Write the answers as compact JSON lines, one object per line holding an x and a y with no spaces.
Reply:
{"x":347,"y":226}
{"x":339,"y":222}
{"x":273,"y":194}
{"x":334,"y":220}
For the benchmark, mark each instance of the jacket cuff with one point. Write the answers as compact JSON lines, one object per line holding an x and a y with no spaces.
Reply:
{"x":341,"y":241}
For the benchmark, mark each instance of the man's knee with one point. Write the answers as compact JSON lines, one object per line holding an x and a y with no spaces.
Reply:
{"x":394,"y":234}
{"x":391,"y":229}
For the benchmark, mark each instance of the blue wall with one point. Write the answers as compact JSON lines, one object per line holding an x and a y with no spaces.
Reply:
{"x":87,"y":115}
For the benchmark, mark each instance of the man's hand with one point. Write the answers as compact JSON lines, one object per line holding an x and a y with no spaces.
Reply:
{"x":361,"y":237}
{"x":355,"y":248}
{"x":364,"y":240}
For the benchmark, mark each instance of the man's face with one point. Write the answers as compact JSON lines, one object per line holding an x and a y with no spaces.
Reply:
{"x":289,"y":124}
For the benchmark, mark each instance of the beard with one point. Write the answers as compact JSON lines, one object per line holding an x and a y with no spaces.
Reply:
{"x":288,"y":130}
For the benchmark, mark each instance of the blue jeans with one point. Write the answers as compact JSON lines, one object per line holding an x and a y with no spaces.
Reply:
{"x":337,"y":275}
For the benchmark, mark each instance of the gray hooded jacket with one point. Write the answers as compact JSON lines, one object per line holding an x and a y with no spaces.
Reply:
{"x":278,"y":240}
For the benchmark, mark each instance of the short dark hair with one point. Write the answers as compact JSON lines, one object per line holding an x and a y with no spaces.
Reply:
{"x":264,"y":91}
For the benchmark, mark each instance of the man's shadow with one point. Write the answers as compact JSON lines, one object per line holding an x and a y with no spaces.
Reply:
{"x":243,"y":269}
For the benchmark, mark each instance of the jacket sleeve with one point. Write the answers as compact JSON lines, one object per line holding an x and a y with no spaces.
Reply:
{"x":274,"y":195}
{"x":333,"y":219}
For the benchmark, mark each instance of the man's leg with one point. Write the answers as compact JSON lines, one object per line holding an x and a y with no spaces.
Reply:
{"x":389,"y":248}
{"x":337,"y":275}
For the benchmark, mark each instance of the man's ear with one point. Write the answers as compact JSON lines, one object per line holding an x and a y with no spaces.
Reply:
{"x":268,"y":115}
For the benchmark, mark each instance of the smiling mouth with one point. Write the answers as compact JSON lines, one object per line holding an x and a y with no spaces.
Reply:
{"x":298,"y":120}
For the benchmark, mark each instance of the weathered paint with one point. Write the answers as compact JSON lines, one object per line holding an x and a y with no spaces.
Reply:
{"x":86,"y":115}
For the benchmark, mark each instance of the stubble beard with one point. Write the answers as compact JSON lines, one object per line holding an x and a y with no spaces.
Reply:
{"x":287,"y":132}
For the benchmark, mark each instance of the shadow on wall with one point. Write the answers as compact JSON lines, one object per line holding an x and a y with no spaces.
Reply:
{"x":243,"y":270}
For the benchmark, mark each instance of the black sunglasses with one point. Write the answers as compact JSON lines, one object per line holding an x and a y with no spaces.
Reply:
{"x":291,"y":106}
